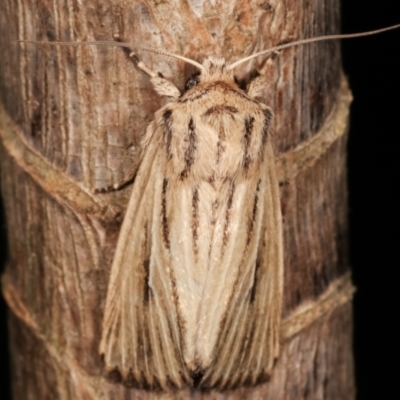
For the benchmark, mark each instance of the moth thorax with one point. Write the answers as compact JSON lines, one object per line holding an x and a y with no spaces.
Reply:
{"x":215,"y":68}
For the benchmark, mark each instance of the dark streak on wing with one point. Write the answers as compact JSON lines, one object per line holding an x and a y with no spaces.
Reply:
{"x":220,"y":149}
{"x":254,"y":287}
{"x":250,"y":225}
{"x":214,"y":209}
{"x":164,"y":214}
{"x":248,"y":129}
{"x":195,"y":219}
{"x":219,"y":108}
{"x":221,"y":146}
{"x":167,"y":132}
{"x":146,"y":289}
{"x":264,"y":133}
{"x":146,"y":266}
{"x":191,"y":140}
{"x":228,"y":215}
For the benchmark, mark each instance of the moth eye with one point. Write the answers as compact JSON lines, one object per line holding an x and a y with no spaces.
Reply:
{"x":192,"y":81}
{"x":241,"y":84}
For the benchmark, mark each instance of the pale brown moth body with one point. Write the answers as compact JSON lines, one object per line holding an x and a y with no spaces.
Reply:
{"x":196,"y":283}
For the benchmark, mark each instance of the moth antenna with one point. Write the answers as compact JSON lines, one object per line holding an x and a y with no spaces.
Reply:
{"x":85,"y":43}
{"x":114,"y":43}
{"x":310,"y":40}
{"x":165,"y":53}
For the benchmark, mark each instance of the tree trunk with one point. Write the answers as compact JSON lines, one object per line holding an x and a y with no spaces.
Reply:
{"x":71,"y":121}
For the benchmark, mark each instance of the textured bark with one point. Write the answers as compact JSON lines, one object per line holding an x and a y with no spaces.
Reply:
{"x":79,"y":113}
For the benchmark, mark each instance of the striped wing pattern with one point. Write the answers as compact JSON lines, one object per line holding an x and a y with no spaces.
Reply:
{"x":196,"y":284}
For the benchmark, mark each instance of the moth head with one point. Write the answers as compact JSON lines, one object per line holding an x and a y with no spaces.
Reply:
{"x":192,"y":81}
{"x":216,"y":69}
{"x":213,"y":69}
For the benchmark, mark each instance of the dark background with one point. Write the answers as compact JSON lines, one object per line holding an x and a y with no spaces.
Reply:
{"x":373,"y":67}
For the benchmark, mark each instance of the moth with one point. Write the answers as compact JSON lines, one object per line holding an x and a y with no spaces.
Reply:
{"x":196,"y":286}
{"x":195,"y":291}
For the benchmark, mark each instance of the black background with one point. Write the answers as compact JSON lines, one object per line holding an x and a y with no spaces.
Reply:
{"x":373,"y":67}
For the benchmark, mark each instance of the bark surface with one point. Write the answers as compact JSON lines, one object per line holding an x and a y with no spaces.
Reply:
{"x":71,"y":121}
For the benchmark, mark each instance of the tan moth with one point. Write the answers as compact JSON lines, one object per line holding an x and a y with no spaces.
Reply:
{"x":196,"y":283}
{"x":202,"y":234}
{"x":195,"y":292}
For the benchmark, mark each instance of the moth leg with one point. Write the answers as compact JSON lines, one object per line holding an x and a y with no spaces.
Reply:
{"x":255,"y":87}
{"x":162,"y":85}
{"x":117,"y":185}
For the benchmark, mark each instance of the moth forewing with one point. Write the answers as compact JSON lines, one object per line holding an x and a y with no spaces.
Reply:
{"x":140,"y":338}
{"x":249,"y":339}
{"x":196,"y":283}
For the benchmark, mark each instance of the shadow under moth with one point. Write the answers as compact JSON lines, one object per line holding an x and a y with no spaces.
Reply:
{"x":196,"y":286}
